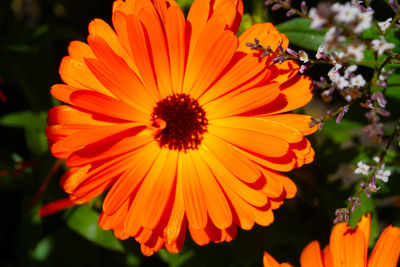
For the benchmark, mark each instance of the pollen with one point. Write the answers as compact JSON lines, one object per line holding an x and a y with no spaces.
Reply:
{"x":185,"y":120}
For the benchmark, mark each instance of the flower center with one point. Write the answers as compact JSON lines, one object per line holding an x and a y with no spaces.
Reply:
{"x":185,"y":122}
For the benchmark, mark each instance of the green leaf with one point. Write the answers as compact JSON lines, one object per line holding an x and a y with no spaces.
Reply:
{"x":36,"y":141}
{"x":42,"y":249}
{"x":184,"y":4}
{"x":34,"y":124}
{"x":299,"y":33}
{"x":343,"y":131}
{"x":25,"y":119}
{"x":132,"y":260}
{"x":393,"y":89}
{"x":83,"y":220}
{"x":175,"y":260}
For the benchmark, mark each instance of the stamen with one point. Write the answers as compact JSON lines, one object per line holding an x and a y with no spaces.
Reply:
{"x":185,"y":121}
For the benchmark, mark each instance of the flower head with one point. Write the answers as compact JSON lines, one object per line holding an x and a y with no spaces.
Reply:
{"x":384,"y":24}
{"x":349,"y":247}
{"x":380,"y":45}
{"x":356,"y":50}
{"x":346,"y":13}
{"x":303,"y":56}
{"x":362,"y":168}
{"x":182,"y":123}
{"x":364,"y":21}
{"x":357,"y":81}
{"x":383,"y":175}
{"x":318,"y":21}
{"x":321,"y":53}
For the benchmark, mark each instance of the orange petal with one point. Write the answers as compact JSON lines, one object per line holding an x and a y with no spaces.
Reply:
{"x":101,"y":28}
{"x":229,"y":234}
{"x":115,"y":220}
{"x":62,"y":92}
{"x":68,"y":115}
{"x":93,"y":191}
{"x":112,"y":71}
{"x":100,"y":174}
{"x":214,"y":61}
{"x":151,"y":199}
{"x":241,"y":210}
{"x":232,"y":159}
{"x":266,"y":33}
{"x":75,"y":72}
{"x":58,"y":132}
{"x":119,"y":20}
{"x":285,"y":163}
{"x":263,"y":216}
{"x":196,"y":21}
{"x":288,"y":185}
{"x":235,"y":104}
{"x":327,"y":257}
{"x":284,"y":71}
{"x":110,"y":148}
{"x":231,"y":10}
{"x":300,"y":122}
{"x":273,"y":188}
{"x":141,"y":53}
{"x":73,"y":177}
{"x":228,"y":180}
{"x":175,"y":230}
{"x":199,"y":54}
{"x":175,"y":33}
{"x":297,"y":92}
{"x":303,"y":151}
{"x":95,"y":102}
{"x":162,"y":7}
{"x":217,"y":205}
{"x":256,"y":142}
{"x":262,"y":125}
{"x":92,"y":135}
{"x":387,"y":249}
{"x":269,"y":261}
{"x":159,"y":51}
{"x":199,"y":236}
{"x":130,"y":179}
{"x":348,"y":246}
{"x":129,"y":7}
{"x":242,"y":73}
{"x":193,"y":195}
{"x":365,"y":226}
{"x":277,"y":182}
{"x":55,"y":206}
{"x":177,"y":245}
{"x":311,"y":255}
{"x":276,"y":203}
{"x":80,"y":50}
{"x":75,"y":63}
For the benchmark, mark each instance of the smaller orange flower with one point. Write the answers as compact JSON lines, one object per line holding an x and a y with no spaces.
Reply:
{"x":349,"y":248}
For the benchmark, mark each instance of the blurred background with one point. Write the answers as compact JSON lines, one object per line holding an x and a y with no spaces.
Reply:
{"x":34,"y":36}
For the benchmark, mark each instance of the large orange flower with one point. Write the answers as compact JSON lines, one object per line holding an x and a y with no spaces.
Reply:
{"x":180,"y":121}
{"x":349,"y":248}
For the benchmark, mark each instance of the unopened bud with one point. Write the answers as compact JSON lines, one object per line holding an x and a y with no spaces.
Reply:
{"x":304,"y":8}
{"x":276,"y":7}
{"x":290,"y":13}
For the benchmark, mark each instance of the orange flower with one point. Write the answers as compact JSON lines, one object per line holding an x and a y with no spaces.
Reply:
{"x":180,"y":121}
{"x":349,"y":248}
